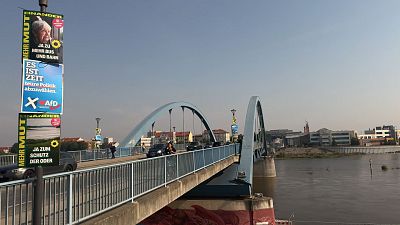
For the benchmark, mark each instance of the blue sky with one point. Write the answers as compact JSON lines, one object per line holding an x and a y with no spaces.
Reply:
{"x":332,"y":63}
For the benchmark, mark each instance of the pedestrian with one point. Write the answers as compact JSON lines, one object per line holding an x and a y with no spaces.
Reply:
{"x":112,"y":149}
{"x":143,"y":148}
{"x":170,"y":149}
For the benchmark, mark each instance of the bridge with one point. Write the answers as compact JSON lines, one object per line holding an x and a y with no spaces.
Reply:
{"x":130,"y":192}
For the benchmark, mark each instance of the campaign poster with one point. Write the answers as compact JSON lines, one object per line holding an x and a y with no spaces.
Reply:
{"x":234,"y":128}
{"x":42,"y":87}
{"x":42,"y":36}
{"x":38,"y":140}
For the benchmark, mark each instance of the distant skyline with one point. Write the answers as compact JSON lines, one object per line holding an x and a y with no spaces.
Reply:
{"x":332,"y":63}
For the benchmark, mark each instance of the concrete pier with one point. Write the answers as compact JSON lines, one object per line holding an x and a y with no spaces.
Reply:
{"x":254,"y":210}
{"x":265,"y":167}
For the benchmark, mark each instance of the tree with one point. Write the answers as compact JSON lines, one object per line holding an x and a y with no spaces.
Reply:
{"x":14,"y":148}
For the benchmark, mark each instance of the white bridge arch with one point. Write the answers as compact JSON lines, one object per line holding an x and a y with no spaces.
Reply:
{"x":141,"y":129}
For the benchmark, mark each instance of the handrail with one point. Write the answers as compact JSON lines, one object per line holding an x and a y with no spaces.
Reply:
{"x":72,"y":197}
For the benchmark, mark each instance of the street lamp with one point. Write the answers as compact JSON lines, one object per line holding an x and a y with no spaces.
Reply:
{"x":170,"y":132}
{"x":234,"y":127}
{"x":98,"y":132}
{"x":98,"y":121}
{"x":233,"y":116}
{"x":174,"y":135}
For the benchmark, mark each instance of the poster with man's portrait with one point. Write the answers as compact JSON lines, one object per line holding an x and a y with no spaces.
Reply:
{"x":42,"y":36}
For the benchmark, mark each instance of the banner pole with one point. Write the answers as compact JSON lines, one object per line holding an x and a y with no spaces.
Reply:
{"x":43,"y":5}
{"x":38,"y":196}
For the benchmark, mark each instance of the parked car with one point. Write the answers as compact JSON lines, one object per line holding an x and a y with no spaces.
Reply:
{"x":157,"y":150}
{"x":217,"y":143}
{"x":12,"y":172}
{"x":213,"y":144}
{"x":194,"y":146}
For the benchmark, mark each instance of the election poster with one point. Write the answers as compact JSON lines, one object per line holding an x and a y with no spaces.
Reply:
{"x":42,"y":36}
{"x":234,"y":128}
{"x":42,"y":87}
{"x":38,"y":140}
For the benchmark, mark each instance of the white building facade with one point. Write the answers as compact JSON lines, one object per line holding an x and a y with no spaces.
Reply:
{"x":326,"y":137}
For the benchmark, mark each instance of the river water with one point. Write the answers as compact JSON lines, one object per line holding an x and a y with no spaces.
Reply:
{"x":336,"y":190}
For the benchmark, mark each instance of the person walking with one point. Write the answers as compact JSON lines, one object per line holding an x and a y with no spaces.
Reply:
{"x":113,"y":149}
{"x":170,"y":149}
{"x":143,"y":148}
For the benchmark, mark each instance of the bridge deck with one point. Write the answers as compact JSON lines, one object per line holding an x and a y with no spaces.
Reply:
{"x":104,"y":162}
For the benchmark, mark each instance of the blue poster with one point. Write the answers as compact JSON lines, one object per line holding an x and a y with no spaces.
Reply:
{"x":42,"y":87}
{"x":234,"y":128}
{"x":98,"y":138}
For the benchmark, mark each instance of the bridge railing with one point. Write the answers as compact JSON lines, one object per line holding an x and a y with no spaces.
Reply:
{"x":84,"y":155}
{"x":69,"y":198}
{"x":7,"y":159}
{"x":98,"y":154}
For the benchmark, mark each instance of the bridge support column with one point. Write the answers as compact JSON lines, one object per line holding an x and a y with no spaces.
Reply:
{"x":265,"y":167}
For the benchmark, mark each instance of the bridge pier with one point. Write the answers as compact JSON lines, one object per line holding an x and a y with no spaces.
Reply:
{"x":265,"y":167}
{"x":254,"y":210}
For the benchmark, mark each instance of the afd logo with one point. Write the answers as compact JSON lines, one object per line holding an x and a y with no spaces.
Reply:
{"x":51,"y":104}
{"x":36,"y":103}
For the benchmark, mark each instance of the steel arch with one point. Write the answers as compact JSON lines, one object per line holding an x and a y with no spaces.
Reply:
{"x":142,"y":127}
{"x":249,"y":152}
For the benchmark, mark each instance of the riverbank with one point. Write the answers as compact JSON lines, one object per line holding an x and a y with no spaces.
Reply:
{"x":309,"y":152}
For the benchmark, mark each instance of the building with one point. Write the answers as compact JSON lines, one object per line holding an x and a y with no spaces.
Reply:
{"x":160,"y":137}
{"x":198,"y":137}
{"x":221,"y":135}
{"x":145,"y":142}
{"x":183,"y":137}
{"x":297,"y":140}
{"x":384,"y":135}
{"x":326,"y":137}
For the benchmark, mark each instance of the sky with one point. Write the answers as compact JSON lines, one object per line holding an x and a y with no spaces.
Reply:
{"x":334,"y":64}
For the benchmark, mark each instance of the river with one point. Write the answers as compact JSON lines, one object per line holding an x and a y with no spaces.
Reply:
{"x":336,"y":190}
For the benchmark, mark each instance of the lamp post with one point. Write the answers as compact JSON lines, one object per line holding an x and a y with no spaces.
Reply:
{"x":152,"y":133}
{"x":170,"y":131}
{"x":98,"y":132}
{"x":183,"y":126}
{"x":174,"y":136}
{"x":233,"y":115}
{"x":98,"y":122}
{"x":233,"y":126}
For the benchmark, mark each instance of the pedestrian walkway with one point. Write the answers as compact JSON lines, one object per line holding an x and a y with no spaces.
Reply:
{"x":104,"y":162}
